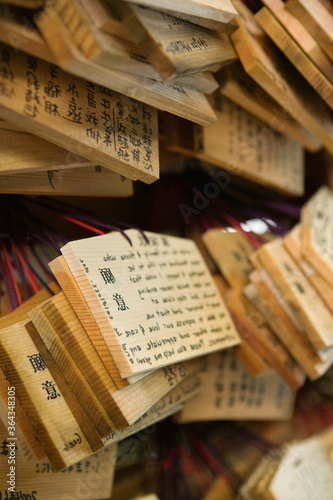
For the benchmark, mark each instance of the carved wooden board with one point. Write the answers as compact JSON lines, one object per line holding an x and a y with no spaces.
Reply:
{"x":167,"y":405}
{"x":31,"y":449}
{"x":161,"y":95}
{"x":21,"y":152}
{"x":88,"y":119}
{"x":293,"y":243}
{"x":230,"y":393}
{"x":301,"y":36}
{"x":75,"y":375}
{"x":314,"y":319}
{"x":317,"y":20}
{"x":245,"y":146}
{"x":175,"y":47}
{"x":216,"y":10}
{"x":56,"y":428}
{"x":231,"y":252}
{"x":262,"y":297}
{"x":305,"y":470}
{"x":88,"y":181}
{"x":282,"y":82}
{"x":240,"y":88}
{"x":155,"y":303}
{"x":39,"y":480}
{"x":74,"y":296}
{"x":279,"y":35}
{"x":317,"y":235}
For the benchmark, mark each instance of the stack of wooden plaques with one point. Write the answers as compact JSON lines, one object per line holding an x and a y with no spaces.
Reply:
{"x":292,"y":288}
{"x":299,"y":470}
{"x":280,"y":298}
{"x":276,"y":99}
{"x":119,"y":62}
{"x":118,"y":349}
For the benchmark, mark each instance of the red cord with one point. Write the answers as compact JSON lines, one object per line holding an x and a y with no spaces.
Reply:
{"x":79,"y":223}
{"x":30,"y":276}
{"x":18,"y":295}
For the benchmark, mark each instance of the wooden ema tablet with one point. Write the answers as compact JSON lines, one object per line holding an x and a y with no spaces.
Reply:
{"x":88,"y":119}
{"x":231,"y":394}
{"x":222,"y":11}
{"x":325,"y":354}
{"x":137,"y":398}
{"x":246,"y":18}
{"x":316,"y":19}
{"x":161,"y":95}
{"x":18,"y":441}
{"x":278,"y":34}
{"x":175,"y":47}
{"x":243,"y":145}
{"x":100,"y":47}
{"x":39,"y":480}
{"x":63,"y":362}
{"x":89,"y":181}
{"x":31,"y":449}
{"x":252,"y":327}
{"x":117,"y":52}
{"x":123,"y":406}
{"x":299,"y":296}
{"x":304,"y":472}
{"x":21,"y":313}
{"x":264,"y":300}
{"x":56,"y":318}
{"x":283,"y":83}
{"x":301,"y":36}
{"x":79,"y":411}
{"x":317,"y":235}
{"x":211,"y":24}
{"x":21,"y":152}
{"x":57,"y":430}
{"x":74,"y":296}
{"x":237,"y":86}
{"x":22,"y":421}
{"x":166,"y":406}
{"x":155,"y":303}
{"x":293,"y":243}
{"x":231,"y":252}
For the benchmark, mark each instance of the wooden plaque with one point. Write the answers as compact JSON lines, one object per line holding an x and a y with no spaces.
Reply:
{"x":88,"y":119}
